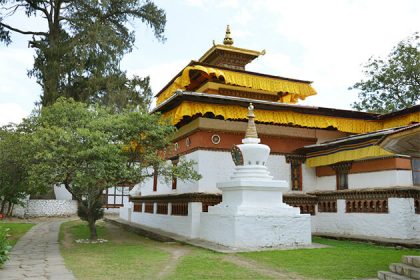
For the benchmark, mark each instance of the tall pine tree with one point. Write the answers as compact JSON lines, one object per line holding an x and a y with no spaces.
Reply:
{"x":79,"y":53}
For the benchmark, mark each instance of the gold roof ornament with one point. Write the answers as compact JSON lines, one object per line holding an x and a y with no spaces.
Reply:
{"x":228,"y":38}
{"x":251,"y":130}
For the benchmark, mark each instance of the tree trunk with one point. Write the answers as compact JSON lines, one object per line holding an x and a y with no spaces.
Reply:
{"x":10,"y":210}
{"x":3,"y":204}
{"x":92,"y":229}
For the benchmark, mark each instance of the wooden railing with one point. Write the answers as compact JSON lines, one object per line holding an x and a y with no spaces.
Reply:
{"x":356,"y":201}
{"x":306,"y":203}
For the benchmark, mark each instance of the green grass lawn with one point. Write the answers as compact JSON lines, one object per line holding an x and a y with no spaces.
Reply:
{"x":16,"y":230}
{"x":343,"y":260}
{"x":129,"y":256}
{"x":203,"y":264}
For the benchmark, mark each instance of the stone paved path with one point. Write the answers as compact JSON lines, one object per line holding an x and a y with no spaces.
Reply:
{"x":37,"y":255}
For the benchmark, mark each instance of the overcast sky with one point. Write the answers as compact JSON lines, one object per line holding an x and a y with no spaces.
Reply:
{"x":321,"y":41}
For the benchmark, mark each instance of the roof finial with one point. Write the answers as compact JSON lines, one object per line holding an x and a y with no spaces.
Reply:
{"x":228,"y":39}
{"x":251,"y":130}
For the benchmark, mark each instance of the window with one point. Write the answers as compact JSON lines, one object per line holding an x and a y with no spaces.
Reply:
{"x":342,"y":175}
{"x":115,"y":197}
{"x":295,"y":171}
{"x":296,"y":176}
{"x":415,"y":166}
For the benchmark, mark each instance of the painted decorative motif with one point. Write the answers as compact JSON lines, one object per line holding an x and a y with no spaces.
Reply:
{"x":237,"y":157}
{"x":215,"y":139}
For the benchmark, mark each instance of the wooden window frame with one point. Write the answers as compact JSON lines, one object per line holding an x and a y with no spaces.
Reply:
{"x":106,"y":195}
{"x":296,"y":167}
{"x":296,"y":162}
{"x":342,"y":169}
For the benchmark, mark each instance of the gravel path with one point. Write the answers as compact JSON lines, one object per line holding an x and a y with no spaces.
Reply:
{"x":37,"y":255}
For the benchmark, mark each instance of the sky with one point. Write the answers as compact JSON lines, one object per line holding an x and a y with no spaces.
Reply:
{"x":323,"y":41}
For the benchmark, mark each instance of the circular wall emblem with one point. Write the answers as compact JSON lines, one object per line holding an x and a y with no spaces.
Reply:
{"x":215,"y":139}
{"x":237,"y":157}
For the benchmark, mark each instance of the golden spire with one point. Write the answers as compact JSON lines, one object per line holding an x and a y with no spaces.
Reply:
{"x":228,"y":39}
{"x":251,"y":130}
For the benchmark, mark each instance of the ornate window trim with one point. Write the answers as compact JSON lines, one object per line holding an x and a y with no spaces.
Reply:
{"x":296,"y":178}
{"x":342,"y":170}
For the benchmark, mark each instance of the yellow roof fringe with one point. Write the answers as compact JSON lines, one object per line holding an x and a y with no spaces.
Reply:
{"x":188,"y":108}
{"x":295,"y":90}
{"x":361,"y":153}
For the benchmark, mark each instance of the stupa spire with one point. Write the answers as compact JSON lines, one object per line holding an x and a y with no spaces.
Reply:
{"x":228,"y":38}
{"x":251,"y":130}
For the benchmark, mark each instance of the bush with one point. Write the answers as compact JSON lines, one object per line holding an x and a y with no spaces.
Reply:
{"x":4,"y":245}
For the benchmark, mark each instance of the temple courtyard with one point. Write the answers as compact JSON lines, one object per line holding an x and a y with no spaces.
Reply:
{"x":127,"y":255}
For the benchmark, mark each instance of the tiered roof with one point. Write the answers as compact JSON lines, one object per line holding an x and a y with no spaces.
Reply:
{"x":221,"y":70}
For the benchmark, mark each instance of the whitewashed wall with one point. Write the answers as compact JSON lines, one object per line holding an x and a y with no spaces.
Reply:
{"x":401,"y":222}
{"x":214,"y":166}
{"x":187,"y":226}
{"x":378,"y":179}
{"x":61,"y":193}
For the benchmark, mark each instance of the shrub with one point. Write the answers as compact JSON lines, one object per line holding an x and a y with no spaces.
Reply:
{"x":4,"y":245}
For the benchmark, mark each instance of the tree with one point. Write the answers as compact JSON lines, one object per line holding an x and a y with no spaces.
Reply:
{"x":393,"y":83}
{"x":88,"y":149}
{"x":79,"y":53}
{"x":13,"y":168}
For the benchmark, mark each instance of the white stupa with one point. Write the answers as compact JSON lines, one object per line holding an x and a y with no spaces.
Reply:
{"x":252,"y":214}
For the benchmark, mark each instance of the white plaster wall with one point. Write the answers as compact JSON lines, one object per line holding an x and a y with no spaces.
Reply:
{"x":166,"y":187}
{"x":187,"y":226}
{"x":309,"y":179}
{"x":214,"y":166}
{"x":217,"y":166}
{"x":61,"y":193}
{"x":125,"y":213}
{"x":401,"y":222}
{"x":381,"y":179}
{"x":41,"y":208}
{"x":325,"y":183}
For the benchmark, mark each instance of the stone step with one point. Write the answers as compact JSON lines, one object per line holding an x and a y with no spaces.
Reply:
{"x":386,"y":275}
{"x":406,"y":270}
{"x":411,"y":260}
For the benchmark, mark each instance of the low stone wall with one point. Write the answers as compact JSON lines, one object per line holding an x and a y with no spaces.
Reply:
{"x":46,"y":208}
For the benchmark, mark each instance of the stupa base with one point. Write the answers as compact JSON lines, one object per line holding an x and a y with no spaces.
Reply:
{"x":254,"y":232}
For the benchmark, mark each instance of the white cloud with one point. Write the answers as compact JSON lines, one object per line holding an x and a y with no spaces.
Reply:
{"x":11,"y":113}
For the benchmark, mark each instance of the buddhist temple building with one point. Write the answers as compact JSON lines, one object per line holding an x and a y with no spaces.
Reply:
{"x":357,"y":174}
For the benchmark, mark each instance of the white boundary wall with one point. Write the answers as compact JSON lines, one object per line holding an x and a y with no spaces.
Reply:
{"x":187,"y":226}
{"x":400,"y":222}
{"x":46,"y":207}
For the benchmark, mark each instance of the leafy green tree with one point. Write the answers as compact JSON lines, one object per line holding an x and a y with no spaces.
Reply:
{"x":88,"y":149}
{"x":13,"y":168}
{"x":393,"y":83}
{"x":78,"y":55}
